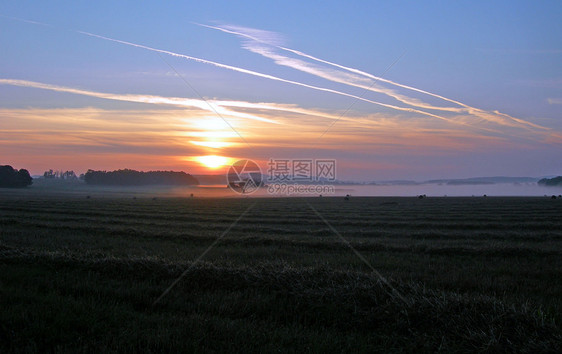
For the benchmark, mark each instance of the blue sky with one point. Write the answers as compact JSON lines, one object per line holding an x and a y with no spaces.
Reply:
{"x":490,"y":56}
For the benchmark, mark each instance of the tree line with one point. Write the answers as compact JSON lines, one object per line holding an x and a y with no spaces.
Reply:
{"x":60,"y":175}
{"x":12,"y":178}
{"x":128,"y":177}
{"x":556,"y":181}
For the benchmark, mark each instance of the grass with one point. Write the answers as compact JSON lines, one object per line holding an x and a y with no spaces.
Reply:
{"x":473,"y":274}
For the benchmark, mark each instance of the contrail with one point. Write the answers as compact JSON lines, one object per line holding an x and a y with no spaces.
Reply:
{"x":303,"y":66}
{"x":174,"y":101}
{"x":181,"y":102}
{"x":27,"y":21}
{"x":495,"y":116}
{"x":220,"y":106}
{"x":228,"y":29}
{"x":246,"y":71}
{"x":262,"y":75}
{"x":343,"y":78}
{"x":266,"y":76}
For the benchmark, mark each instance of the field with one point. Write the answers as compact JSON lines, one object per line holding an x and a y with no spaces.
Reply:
{"x":467,"y":274}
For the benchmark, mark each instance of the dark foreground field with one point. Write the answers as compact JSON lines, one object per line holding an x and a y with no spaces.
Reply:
{"x":464,"y":274}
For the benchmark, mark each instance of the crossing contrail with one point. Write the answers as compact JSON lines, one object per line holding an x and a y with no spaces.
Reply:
{"x":356,"y":81}
{"x":246,"y":71}
{"x":237,"y":31}
{"x":266,"y":76}
{"x":471,"y":110}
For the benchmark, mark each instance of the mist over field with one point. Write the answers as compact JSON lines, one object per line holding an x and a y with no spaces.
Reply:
{"x":402,"y":189}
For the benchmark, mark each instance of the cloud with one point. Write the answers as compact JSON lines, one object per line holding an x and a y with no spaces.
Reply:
{"x":260,"y":36}
{"x":260,"y":44}
{"x":554,"y":100}
{"x":266,"y":76}
{"x":241,"y":113}
{"x":163,"y":137}
{"x":228,"y":108}
{"x":149,"y":99}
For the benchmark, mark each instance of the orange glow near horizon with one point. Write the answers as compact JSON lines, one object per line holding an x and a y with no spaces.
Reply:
{"x":212,"y":161}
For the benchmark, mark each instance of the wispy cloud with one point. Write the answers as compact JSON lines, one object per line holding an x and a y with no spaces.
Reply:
{"x":308,"y":120}
{"x":258,"y":41}
{"x":149,"y":99}
{"x":229,"y":108}
{"x":175,"y":131}
{"x":554,"y":100}
{"x":349,"y":76}
{"x":165,"y":137}
{"x":266,"y":76}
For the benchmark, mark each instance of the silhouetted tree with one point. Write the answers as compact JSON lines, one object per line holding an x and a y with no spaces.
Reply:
{"x":60,"y":174}
{"x":12,"y":178}
{"x":68,"y":175}
{"x":135,"y":178}
{"x":556,"y":181}
{"x":49,"y":174}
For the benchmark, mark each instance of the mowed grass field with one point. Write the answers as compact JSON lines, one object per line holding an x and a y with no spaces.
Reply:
{"x":460,"y":274}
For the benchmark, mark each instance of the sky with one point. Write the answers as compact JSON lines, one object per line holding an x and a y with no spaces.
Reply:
{"x":387,"y":89}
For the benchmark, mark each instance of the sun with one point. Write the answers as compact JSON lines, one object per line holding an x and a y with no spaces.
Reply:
{"x":212,"y":161}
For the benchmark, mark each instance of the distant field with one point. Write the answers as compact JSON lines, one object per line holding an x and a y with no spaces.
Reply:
{"x":469,"y":274}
